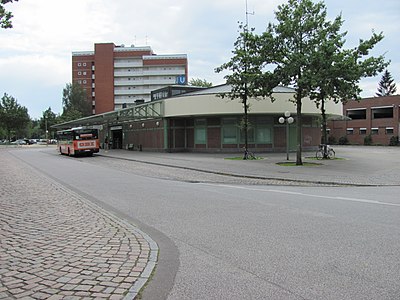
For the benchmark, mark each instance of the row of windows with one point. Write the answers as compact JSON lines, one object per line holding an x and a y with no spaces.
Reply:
{"x":233,"y":134}
{"x":149,"y":69}
{"x":376,"y":113}
{"x":374,"y":131}
{"x":81,"y":64}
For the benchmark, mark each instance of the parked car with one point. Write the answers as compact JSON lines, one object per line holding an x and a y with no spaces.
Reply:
{"x":42,"y":142}
{"x":19,"y":142}
{"x":29,"y":141}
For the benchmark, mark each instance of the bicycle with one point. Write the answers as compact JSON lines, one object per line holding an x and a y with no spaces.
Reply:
{"x":325,"y":151}
{"x":248,"y":155}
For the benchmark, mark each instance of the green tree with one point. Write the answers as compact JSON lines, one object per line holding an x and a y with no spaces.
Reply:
{"x":338,"y":71}
{"x":75,"y":102}
{"x":13,"y":117}
{"x":200,"y":82}
{"x":245,"y":71}
{"x":287,"y":48}
{"x":387,"y":86}
{"x":34,"y":129}
{"x":48,"y":119}
{"x":304,"y":50}
{"x":5,"y":16}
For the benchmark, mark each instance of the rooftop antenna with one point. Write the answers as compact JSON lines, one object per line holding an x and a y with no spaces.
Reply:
{"x":247,"y":16}
{"x":246,"y":90}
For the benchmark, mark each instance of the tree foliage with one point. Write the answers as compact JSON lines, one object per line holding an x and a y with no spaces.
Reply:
{"x":49,"y":118}
{"x":200,"y":82}
{"x":75,"y":102}
{"x":305,"y":51}
{"x":387,"y":86}
{"x":338,"y":71}
{"x":5,"y":16}
{"x":289,"y":47}
{"x":13,"y":117}
{"x":245,"y":72}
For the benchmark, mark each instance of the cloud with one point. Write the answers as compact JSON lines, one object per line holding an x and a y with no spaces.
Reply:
{"x":36,"y":54}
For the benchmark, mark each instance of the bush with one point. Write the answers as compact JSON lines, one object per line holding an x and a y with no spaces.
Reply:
{"x":368,"y":140}
{"x":394,"y":141}
{"x":343,"y":140}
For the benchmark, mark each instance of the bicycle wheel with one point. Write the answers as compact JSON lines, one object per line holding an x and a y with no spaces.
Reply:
{"x":319,"y":154}
{"x":331,"y":154}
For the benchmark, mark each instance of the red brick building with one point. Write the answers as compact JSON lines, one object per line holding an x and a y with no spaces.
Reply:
{"x":116,"y":77}
{"x":377,"y":116}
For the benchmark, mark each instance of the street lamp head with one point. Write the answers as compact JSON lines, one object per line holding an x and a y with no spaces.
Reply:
{"x":290,"y":120}
{"x":287,"y":114}
{"x":281,"y":120}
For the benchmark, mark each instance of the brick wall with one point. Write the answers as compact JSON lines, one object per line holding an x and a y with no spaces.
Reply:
{"x":341,"y":128}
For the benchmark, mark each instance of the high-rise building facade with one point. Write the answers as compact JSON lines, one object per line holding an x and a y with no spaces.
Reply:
{"x":117,"y":76}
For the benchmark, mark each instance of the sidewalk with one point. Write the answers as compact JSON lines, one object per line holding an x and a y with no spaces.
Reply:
{"x":355,"y":165}
{"x":54,"y":244}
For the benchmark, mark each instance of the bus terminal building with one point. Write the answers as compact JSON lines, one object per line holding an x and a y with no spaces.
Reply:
{"x":199,"y":120}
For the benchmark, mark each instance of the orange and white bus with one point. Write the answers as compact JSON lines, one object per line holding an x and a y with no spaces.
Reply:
{"x":76,"y":141}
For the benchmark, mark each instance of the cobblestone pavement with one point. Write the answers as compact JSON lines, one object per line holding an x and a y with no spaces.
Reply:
{"x":54,"y":244}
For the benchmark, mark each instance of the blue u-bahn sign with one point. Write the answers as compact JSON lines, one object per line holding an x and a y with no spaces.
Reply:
{"x":181,"y":79}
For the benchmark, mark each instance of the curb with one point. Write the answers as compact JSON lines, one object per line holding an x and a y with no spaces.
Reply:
{"x":318,"y":182}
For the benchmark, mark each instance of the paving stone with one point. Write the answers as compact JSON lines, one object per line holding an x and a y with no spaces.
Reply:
{"x":56,"y":244}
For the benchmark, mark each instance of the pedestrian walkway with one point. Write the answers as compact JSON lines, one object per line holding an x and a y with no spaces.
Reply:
{"x":54,"y":244}
{"x":355,"y":165}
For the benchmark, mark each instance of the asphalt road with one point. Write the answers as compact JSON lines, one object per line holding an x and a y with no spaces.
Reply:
{"x":242,"y":241}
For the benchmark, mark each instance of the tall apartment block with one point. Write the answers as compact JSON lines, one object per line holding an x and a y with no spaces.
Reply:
{"x":117,"y":76}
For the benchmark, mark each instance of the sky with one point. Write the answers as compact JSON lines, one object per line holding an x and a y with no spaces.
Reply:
{"x":36,"y":54}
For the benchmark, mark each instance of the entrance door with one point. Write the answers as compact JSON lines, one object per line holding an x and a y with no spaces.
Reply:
{"x":116,"y":139}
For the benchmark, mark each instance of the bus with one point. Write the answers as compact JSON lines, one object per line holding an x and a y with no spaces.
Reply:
{"x":78,"y":141}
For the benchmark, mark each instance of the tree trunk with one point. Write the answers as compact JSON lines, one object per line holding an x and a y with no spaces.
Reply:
{"x":324,"y":134}
{"x":299,"y":123}
{"x":246,"y":155}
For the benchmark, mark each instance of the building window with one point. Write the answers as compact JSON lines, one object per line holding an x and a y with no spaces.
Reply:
{"x":229,"y":131}
{"x":389,"y":130}
{"x":363,"y":131}
{"x":357,"y":114}
{"x":80,"y":81}
{"x":263,"y":134}
{"x":200,"y":131}
{"x":349,"y":131}
{"x":374,"y":130}
{"x":382,"y":112}
{"x":84,"y":64}
{"x":250,"y":135}
{"x":79,"y":73}
{"x":84,"y":73}
{"x":84,"y":82}
{"x":79,"y":64}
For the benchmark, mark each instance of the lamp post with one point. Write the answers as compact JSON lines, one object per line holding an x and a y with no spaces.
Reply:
{"x":289,"y":120}
{"x":45,"y":125}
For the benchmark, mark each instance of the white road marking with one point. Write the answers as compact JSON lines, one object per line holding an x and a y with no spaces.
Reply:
{"x":306,"y":195}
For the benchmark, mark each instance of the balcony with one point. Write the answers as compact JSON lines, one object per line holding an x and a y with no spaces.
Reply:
{"x":145,"y":82}
{"x":131,"y":64}
{"x":132,"y":92}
